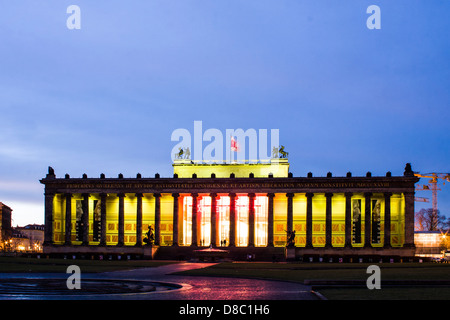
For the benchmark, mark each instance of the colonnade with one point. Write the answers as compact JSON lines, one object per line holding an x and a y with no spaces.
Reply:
{"x":49,"y":218}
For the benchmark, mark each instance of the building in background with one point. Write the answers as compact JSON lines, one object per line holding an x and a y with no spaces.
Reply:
{"x":246,"y":209}
{"x":5,"y":225}
{"x":431,"y":243}
{"x":28,"y":239}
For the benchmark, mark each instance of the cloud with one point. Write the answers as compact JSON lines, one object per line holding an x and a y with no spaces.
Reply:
{"x":20,"y":186}
{"x":25,"y":212}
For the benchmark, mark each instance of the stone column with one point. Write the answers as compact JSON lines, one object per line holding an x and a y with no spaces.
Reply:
{"x":175,"y":219}
{"x":48,"y":228}
{"x":270,"y":220}
{"x":348,"y":220}
{"x":309,"y":224}
{"x":194,"y":241}
{"x":367,"y":220}
{"x":103,"y":219}
{"x":251,"y":220}
{"x":214,"y":223}
{"x":328,"y":220}
{"x":387,"y":220}
{"x":139,"y":219}
{"x":232,"y":236}
{"x":68,"y":231}
{"x":290,"y":213}
{"x":409,"y":219}
{"x":121,"y":219}
{"x":157,"y":241}
{"x":85,"y":219}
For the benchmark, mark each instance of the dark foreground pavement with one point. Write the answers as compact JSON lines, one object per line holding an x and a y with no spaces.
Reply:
{"x":186,"y":287}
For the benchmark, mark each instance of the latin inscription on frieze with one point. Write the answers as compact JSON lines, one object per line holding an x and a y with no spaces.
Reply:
{"x":233,"y":185}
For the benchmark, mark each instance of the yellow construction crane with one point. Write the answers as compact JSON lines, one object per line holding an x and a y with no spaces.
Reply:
{"x":433,"y":186}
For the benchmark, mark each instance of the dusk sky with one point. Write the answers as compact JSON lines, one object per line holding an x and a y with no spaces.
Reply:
{"x":106,"y":98}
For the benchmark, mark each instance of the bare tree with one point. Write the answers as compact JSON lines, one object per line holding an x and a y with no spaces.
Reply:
{"x":426,"y":220}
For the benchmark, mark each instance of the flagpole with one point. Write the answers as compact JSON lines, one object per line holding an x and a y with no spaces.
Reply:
{"x":230,"y":149}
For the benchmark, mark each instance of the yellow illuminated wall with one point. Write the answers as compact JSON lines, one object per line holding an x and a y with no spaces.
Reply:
{"x":205,"y":221}
{"x":58,"y":221}
{"x":130,"y":206}
{"x":299,"y":218}
{"x":261,"y":219}
{"x":242,"y":220}
{"x":380,"y":197}
{"x":148,"y":212}
{"x":338,"y":220}
{"x":185,"y":231}
{"x":359,"y":196}
{"x":112,"y":217}
{"x":223,"y":217}
{"x":318,"y":223}
{"x":279,"y":219}
{"x":397,"y":220}
{"x":279,"y":228}
{"x":185,"y":169}
{"x":166,"y":219}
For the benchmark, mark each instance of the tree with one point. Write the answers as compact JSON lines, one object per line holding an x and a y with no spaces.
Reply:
{"x":445,"y":242}
{"x":425,"y":220}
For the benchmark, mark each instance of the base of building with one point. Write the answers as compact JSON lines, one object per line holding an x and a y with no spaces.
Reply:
{"x":101,"y":252}
{"x":339,"y":254}
{"x":274,"y":254}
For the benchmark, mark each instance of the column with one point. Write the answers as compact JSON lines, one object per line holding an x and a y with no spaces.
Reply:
{"x":232,"y":236}
{"x":409,"y":219}
{"x":175,"y":219}
{"x":157,"y":218}
{"x":85,"y":219}
{"x":348,"y":220}
{"x":68,"y":232}
{"x":309,"y":197}
{"x":214,"y":223}
{"x":194,"y":242}
{"x":290,"y":215}
{"x":387,"y":220}
{"x":121,"y":219}
{"x":48,"y":229}
{"x":251,"y":220}
{"x":367,"y":220}
{"x":270,"y":220}
{"x":139,"y":219}
{"x":103,"y":219}
{"x":328,"y":220}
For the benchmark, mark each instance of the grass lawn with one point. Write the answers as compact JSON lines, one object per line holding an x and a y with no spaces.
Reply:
{"x":19,"y":264}
{"x":390,"y":293}
{"x":299,"y":272}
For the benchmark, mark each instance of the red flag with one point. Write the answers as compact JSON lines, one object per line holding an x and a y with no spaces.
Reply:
{"x":234,"y":145}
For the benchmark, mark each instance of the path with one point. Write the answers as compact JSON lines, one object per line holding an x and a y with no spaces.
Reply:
{"x":193,"y":287}
{"x":213,"y":288}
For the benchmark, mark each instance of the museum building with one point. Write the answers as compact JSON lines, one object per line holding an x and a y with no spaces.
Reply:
{"x":239,"y":209}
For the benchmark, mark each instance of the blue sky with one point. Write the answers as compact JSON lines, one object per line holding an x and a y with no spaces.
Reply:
{"x":106,"y":98}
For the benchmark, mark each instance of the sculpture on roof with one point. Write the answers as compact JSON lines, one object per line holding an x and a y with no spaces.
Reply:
{"x":283,"y":154}
{"x":183,"y":153}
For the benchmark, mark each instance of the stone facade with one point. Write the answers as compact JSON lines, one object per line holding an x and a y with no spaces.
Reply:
{"x":248,"y":216}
